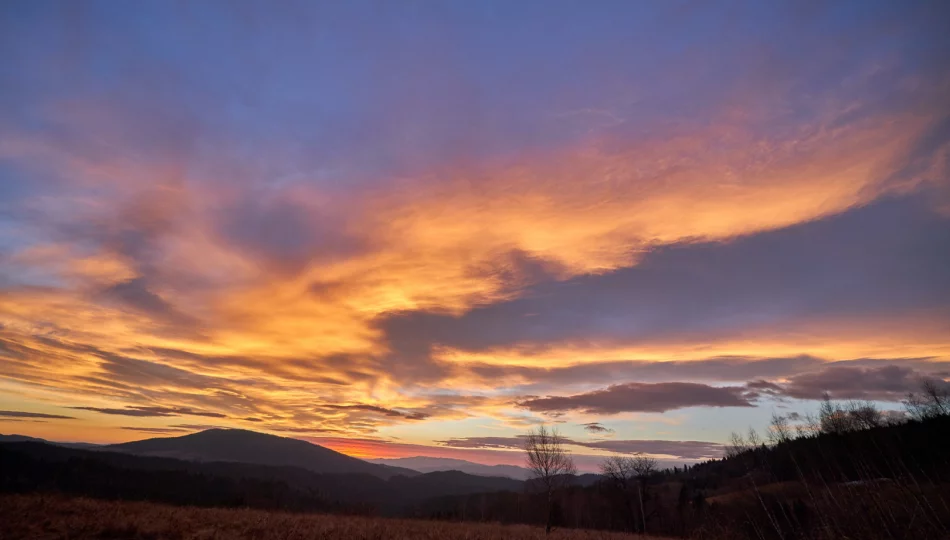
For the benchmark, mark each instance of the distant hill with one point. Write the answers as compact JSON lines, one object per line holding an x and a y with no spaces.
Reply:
{"x":24,"y":438}
{"x":586,"y":479}
{"x":245,"y":446}
{"x":21,"y":438}
{"x":27,"y":467}
{"x":426,"y":464}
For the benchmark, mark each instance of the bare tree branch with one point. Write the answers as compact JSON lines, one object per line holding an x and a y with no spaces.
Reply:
{"x":550,"y":464}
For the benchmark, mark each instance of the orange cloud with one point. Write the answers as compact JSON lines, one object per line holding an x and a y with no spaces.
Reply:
{"x":145,"y":269}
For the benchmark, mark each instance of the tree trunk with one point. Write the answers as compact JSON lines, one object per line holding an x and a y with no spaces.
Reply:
{"x":642,"y":513}
{"x":631,"y":511}
{"x":547,"y":525}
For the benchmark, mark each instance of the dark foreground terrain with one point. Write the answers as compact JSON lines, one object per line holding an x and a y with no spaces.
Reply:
{"x":39,"y":517}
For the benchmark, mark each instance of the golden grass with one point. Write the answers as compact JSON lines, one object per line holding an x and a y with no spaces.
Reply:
{"x":44,"y":517}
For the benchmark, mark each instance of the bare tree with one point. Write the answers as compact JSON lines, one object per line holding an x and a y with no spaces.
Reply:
{"x":625,"y":473}
{"x":643,"y":467}
{"x":938,"y":396}
{"x":620,"y":475}
{"x":916,"y":406}
{"x":833,"y":418}
{"x":864,"y":415}
{"x":812,"y":424}
{"x":550,"y":464}
{"x":933,"y":400}
{"x":753,"y":438}
{"x":736,"y":445}
{"x":779,"y":431}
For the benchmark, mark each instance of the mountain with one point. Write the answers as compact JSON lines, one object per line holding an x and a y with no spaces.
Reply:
{"x":243,"y":446}
{"x":426,"y":464}
{"x":39,"y":467}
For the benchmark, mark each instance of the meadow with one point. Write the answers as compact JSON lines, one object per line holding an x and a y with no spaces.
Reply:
{"x":49,"y":517}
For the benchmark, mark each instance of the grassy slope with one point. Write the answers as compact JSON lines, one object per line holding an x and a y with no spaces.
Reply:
{"x":50,"y":517}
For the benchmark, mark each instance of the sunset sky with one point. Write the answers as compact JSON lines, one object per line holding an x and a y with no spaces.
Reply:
{"x":423,"y":228}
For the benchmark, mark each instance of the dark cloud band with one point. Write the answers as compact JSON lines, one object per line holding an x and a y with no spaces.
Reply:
{"x":643,"y":397}
{"x":25,"y":414}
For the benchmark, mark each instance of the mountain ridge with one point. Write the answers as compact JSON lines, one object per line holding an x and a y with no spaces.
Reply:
{"x":245,"y":446}
{"x":37,"y":466}
{"x":13,"y":437}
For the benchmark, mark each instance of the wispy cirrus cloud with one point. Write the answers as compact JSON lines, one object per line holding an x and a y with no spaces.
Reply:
{"x":378,"y":410}
{"x":135,"y":294}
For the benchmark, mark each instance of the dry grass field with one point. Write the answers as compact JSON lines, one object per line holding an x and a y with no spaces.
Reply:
{"x":39,"y":517}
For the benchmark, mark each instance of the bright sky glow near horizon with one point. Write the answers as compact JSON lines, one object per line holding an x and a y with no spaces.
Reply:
{"x":422,"y":228}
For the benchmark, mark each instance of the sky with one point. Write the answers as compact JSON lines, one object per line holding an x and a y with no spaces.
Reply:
{"x":427,"y":227}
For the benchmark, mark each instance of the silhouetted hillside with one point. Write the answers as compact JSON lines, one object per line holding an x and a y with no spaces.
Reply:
{"x":27,"y":467}
{"x":453,"y":483}
{"x":37,"y":467}
{"x":20,"y":438}
{"x":853,"y":474}
{"x":244,"y":446}
{"x":914,"y":449}
{"x":427,"y":464}
{"x":24,"y":438}
{"x":433,"y":464}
